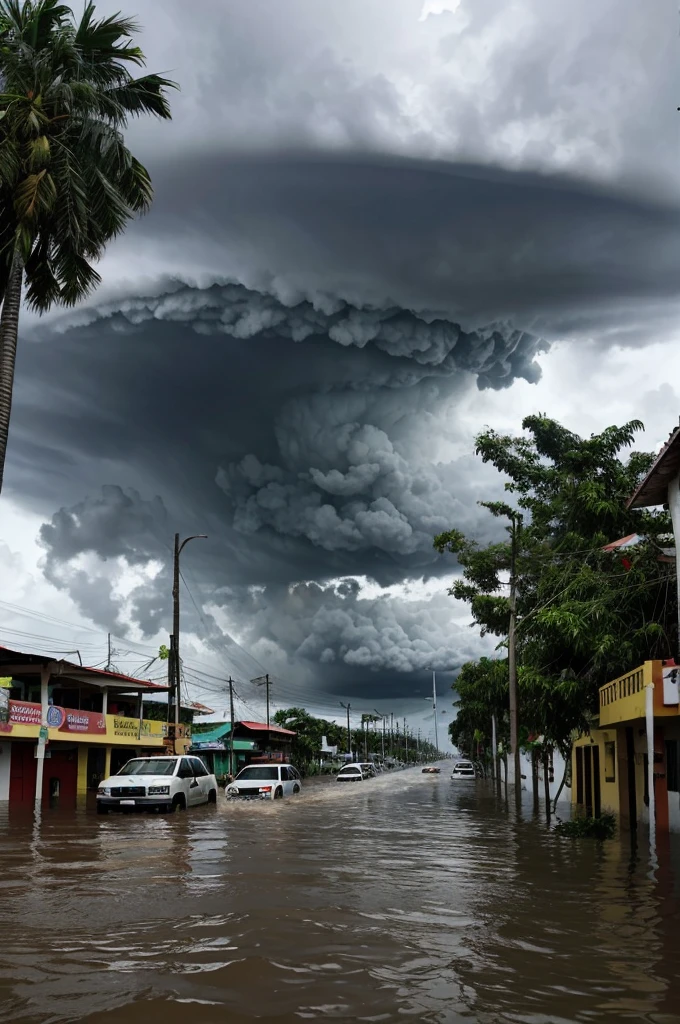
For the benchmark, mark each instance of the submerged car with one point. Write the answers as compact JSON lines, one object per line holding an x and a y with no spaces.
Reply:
{"x":165,"y":783}
{"x":265,"y":782}
{"x":353,"y":773}
{"x":431,"y":770}
{"x":463,"y":770}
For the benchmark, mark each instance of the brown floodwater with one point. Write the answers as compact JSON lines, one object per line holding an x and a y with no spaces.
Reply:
{"x":407,"y":898}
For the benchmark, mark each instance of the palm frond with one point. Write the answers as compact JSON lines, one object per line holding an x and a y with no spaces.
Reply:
{"x":144,"y":95}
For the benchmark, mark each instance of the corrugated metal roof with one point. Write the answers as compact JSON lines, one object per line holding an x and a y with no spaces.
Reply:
{"x":654,"y":488}
{"x":263,"y":727}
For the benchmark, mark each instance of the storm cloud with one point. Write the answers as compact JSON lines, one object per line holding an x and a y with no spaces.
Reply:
{"x":280,"y":370}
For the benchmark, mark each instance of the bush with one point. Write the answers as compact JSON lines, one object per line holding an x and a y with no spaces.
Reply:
{"x":600,"y":828}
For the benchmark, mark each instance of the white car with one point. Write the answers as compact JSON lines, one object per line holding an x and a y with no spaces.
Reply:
{"x":265,"y":782}
{"x":353,"y":773}
{"x":163,"y":783}
{"x":464,"y":770}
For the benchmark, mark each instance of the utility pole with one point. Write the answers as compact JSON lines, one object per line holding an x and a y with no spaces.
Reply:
{"x":512,"y":658}
{"x":266,"y":682}
{"x":349,"y":731}
{"x":174,"y":639}
{"x":231,"y":731}
{"x":383,"y":731}
{"x":405,"y":743}
{"x":392,"y":734}
{"x":108,"y":660}
{"x":434,"y":709}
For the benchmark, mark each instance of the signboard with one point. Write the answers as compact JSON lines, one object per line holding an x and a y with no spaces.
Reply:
{"x":4,"y":705}
{"x":44,"y":732}
{"x":671,"y":689}
{"x":92,"y":722}
{"x":63,"y":719}
{"x":128,"y":728}
{"x":210,"y":745}
{"x":23,"y":713}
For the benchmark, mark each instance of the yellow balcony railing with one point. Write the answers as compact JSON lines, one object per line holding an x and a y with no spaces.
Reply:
{"x":623,"y":699}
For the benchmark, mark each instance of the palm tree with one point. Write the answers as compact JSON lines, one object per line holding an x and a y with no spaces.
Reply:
{"x":68,"y":183}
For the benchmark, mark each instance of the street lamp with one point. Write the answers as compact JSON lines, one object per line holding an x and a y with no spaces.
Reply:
{"x":433,"y":698}
{"x":174,"y":639}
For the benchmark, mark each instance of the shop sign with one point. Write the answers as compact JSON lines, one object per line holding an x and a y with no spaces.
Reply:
{"x":23,"y":713}
{"x":210,"y":745}
{"x":128,"y":728}
{"x":671,"y":694}
{"x":92,"y":722}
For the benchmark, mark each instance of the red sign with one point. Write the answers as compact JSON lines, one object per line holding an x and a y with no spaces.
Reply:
{"x":63,"y":719}
{"x":21,"y":713}
{"x":83,"y":721}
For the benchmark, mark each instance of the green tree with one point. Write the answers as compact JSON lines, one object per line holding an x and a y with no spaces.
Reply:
{"x":68,"y":183}
{"x":584,"y":615}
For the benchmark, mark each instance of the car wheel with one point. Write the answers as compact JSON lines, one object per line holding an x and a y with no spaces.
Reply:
{"x":296,"y":790}
{"x":179,"y":803}
{"x":101,"y":809}
{"x":212,"y":796}
{"x":278,"y":793}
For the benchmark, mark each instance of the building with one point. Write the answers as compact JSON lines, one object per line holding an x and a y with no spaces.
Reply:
{"x":633,"y":750}
{"x":253,"y":742}
{"x":64,"y":727}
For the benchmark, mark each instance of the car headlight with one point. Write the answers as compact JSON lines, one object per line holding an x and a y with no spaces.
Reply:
{"x":104,"y":791}
{"x":232,"y":791}
{"x":159,"y":791}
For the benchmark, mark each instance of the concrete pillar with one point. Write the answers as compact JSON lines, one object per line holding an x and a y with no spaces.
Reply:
{"x":649,"y":722}
{"x":42,"y":741}
{"x":105,"y":700}
{"x":107,"y":763}
{"x":81,"y":785}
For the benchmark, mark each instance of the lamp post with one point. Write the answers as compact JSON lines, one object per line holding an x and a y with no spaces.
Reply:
{"x":174,"y":639}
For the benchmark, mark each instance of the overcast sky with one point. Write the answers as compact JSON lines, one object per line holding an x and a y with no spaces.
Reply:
{"x":379,"y":226}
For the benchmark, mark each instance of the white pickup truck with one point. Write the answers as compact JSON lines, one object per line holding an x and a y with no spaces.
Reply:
{"x":159,"y":783}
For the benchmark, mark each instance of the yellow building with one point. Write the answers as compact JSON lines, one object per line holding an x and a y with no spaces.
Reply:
{"x":633,"y":750}
{"x":63,"y":727}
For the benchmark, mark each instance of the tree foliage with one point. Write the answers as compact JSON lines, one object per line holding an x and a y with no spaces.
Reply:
{"x":584,"y":615}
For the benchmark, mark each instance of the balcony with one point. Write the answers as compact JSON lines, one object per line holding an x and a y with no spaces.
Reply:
{"x":623,"y":699}
{"x":69,"y":724}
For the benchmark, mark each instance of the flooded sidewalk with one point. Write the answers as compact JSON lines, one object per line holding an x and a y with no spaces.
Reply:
{"x":405,"y":898}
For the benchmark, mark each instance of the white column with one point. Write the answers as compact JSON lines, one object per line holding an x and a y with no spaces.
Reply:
{"x":649,"y":721}
{"x":674,"y":509}
{"x":105,"y":700}
{"x":494,"y":746}
{"x":40,"y":766}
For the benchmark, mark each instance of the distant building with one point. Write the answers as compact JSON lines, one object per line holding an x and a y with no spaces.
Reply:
{"x":87,"y":722}
{"x":253,"y":742}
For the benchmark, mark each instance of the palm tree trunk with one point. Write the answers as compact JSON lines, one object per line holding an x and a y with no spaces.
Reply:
{"x":9,"y":329}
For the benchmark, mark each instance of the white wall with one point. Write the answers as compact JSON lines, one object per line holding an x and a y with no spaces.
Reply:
{"x":5,"y":754}
{"x":558,"y":765}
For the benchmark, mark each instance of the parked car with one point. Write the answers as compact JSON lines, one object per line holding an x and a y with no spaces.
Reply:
{"x":353,"y":773}
{"x":164,"y":783}
{"x":265,"y":782}
{"x":464,"y":770}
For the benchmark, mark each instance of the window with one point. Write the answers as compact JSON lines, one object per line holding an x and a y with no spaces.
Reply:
{"x":672,"y":775}
{"x":258,"y":774}
{"x":185,"y":770}
{"x":199,"y":767}
{"x":610,"y":762}
{"x":152,"y":766}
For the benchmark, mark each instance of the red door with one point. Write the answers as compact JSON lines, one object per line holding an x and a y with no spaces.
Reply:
{"x":22,"y":772}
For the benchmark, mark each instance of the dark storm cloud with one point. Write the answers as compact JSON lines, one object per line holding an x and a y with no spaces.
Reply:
{"x":288,"y":392}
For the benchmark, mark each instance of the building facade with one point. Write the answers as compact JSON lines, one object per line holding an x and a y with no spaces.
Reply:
{"x":64,"y":727}
{"x":633,"y":751}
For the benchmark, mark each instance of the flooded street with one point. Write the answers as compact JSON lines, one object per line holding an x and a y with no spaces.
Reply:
{"x":407,"y":897}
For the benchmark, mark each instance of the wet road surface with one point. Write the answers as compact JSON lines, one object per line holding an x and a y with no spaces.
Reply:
{"x":410,"y":897}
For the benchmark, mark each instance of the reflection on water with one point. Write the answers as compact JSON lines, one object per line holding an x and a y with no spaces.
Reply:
{"x":405,"y":898}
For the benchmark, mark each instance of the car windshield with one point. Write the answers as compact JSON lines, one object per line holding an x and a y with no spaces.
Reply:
{"x":262,"y":774}
{"x":156,"y":766}
{"x":349,"y":771}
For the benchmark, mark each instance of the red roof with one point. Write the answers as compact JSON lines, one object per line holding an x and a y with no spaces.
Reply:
{"x":84,"y":669}
{"x":263,"y":727}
